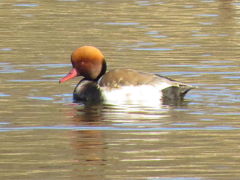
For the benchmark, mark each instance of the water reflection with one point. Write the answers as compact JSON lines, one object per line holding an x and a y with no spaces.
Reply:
{"x":26,"y":5}
{"x":89,"y":145}
{"x":159,"y":150}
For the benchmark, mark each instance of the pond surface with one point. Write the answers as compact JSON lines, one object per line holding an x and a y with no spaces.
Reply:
{"x":44,"y":135}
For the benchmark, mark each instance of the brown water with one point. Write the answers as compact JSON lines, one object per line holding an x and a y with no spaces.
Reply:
{"x":44,"y":135}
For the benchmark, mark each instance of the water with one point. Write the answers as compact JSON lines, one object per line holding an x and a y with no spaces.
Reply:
{"x":44,"y":135}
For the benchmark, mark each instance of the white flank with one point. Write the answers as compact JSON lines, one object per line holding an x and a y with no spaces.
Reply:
{"x":143,"y":94}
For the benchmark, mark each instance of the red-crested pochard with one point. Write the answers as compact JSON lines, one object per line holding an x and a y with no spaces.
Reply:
{"x":117,"y":85}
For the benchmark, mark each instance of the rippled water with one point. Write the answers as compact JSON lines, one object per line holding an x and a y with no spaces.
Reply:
{"x":44,"y":135}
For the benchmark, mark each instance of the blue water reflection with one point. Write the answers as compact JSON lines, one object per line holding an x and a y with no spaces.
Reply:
{"x":106,"y":128}
{"x":26,"y":5}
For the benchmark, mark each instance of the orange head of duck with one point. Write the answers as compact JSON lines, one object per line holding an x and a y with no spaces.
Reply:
{"x":87,"y":61}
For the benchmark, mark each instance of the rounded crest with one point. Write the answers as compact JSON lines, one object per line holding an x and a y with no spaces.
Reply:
{"x":89,"y":62}
{"x":86,"y":53}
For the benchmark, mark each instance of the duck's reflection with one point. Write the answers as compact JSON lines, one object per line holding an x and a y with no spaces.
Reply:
{"x":89,"y":145}
{"x":89,"y":139}
{"x":97,"y":150}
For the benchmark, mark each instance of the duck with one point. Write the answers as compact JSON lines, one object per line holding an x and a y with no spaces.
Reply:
{"x":126,"y":85}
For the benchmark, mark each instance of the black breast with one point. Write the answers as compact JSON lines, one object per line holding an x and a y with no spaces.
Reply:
{"x":88,"y":92}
